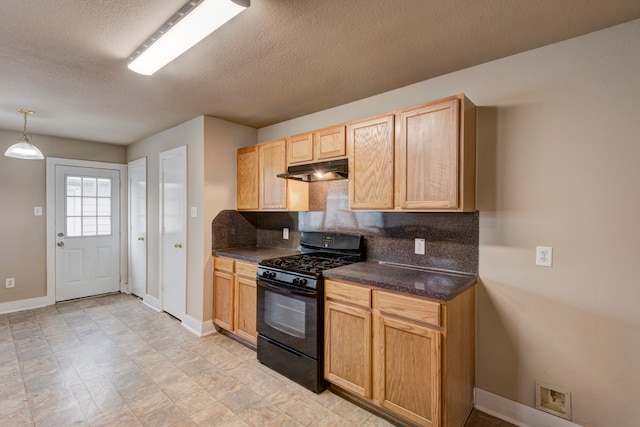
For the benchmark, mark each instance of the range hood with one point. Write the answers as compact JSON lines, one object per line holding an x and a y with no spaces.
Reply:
{"x":323,"y":171}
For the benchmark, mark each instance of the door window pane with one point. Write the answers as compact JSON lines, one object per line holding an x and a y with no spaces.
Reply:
{"x":104,"y":188}
{"x":88,"y":206}
{"x":89,"y":187}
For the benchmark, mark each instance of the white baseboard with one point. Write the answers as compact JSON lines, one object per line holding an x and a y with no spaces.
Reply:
{"x":516,"y":413}
{"x":196,"y":327}
{"x":25,"y":304}
{"x":152,"y":302}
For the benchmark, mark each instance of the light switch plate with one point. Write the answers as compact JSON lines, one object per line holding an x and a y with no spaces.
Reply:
{"x":194,"y":211}
{"x":285,"y":233}
{"x":419,"y":249}
{"x":37,"y":211}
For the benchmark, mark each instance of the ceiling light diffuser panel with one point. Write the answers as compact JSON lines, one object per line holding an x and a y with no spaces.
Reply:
{"x":183,"y":32}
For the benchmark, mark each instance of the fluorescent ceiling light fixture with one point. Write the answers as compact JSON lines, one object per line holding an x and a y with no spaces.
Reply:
{"x":24,"y":149}
{"x":195,"y":21}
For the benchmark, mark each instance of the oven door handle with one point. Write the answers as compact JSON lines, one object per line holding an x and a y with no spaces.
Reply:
{"x":286,"y":290}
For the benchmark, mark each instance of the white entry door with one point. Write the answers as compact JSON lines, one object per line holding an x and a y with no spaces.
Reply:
{"x":138,"y":227}
{"x":173,"y":230}
{"x":87,"y":227}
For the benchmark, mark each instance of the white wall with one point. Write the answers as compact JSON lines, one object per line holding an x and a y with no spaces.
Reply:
{"x":558,"y":153}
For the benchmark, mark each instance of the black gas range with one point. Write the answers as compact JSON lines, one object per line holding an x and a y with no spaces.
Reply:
{"x":290,"y":311}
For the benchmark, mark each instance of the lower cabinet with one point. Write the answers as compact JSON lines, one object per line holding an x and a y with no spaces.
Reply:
{"x":411,"y":356}
{"x":234,"y":297}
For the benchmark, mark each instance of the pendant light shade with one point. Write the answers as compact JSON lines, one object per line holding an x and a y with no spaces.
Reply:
{"x":23,"y":148}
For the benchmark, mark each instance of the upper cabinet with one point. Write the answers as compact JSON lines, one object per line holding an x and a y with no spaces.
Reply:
{"x":418,"y":159}
{"x":273,"y":160}
{"x":318,"y":146}
{"x":371,"y":145}
{"x":435,"y":163}
{"x":247,"y":178}
{"x":421,"y":158}
{"x":258,"y":187}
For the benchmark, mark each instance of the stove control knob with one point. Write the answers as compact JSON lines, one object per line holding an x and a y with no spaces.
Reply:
{"x":296,"y":281}
{"x":265,"y":274}
{"x":302,"y":282}
{"x":272,"y":275}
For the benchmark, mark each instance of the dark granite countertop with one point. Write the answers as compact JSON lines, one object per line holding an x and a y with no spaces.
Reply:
{"x":413,"y":280}
{"x":254,"y":253}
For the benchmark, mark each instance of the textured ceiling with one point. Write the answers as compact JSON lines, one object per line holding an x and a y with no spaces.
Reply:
{"x":280,"y":59}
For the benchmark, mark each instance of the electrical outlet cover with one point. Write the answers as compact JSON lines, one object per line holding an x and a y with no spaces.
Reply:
{"x":554,"y":400}
{"x":544,"y":256}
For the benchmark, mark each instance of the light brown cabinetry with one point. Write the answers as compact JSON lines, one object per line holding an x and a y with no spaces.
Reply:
{"x":247,"y":178}
{"x":234,"y":297}
{"x":417,"y":361}
{"x":435,"y":163}
{"x":317,"y":146}
{"x":348,"y":337}
{"x":407,"y":354}
{"x":273,"y":160}
{"x":420,"y":158}
{"x":258,"y":186}
{"x":370,"y":145}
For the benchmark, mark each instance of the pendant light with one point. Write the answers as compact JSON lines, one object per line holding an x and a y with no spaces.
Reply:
{"x":23,"y":148}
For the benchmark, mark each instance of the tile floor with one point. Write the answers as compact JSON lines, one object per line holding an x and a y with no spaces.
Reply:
{"x":111,"y":361}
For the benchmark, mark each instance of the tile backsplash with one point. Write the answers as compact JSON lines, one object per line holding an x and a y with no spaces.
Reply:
{"x":451,"y":238}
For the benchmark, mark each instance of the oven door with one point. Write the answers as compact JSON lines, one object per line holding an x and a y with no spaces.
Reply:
{"x":289,"y":316}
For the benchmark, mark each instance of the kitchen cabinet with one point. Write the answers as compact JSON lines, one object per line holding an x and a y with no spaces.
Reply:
{"x":247,"y":178}
{"x":370,"y":146}
{"x":348,"y":337}
{"x":234,"y":297}
{"x":407,"y":354}
{"x":272,"y":161}
{"x":435,"y":163}
{"x":420,"y":158}
{"x":317,"y":146}
{"x":223,"y":292}
{"x":257,"y":186}
{"x":411,"y":356}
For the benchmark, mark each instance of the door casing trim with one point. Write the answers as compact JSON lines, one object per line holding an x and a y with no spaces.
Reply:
{"x":52,"y":162}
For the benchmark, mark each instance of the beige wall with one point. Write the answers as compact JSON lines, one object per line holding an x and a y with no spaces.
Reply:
{"x":559,"y":147}
{"x":22,"y":187}
{"x":221,"y":140}
{"x":191,"y":134}
{"x":211,"y":147}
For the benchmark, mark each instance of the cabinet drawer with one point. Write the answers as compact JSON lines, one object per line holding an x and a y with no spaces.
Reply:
{"x":223,"y":264}
{"x":246,"y":269}
{"x":411,"y":308}
{"x":353,"y":294}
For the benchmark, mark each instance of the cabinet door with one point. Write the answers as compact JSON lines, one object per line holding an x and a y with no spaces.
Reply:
{"x":407,"y":370}
{"x":273,"y":190}
{"x":428,"y":150}
{"x":348,"y":348}
{"x":245,"y":308}
{"x":371,"y":153}
{"x":329,"y":143}
{"x":300,"y":149}
{"x":247,"y":178}
{"x":223,"y":291}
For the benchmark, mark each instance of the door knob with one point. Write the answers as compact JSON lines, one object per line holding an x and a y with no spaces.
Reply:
{"x":60,"y":234}
{"x":178,"y":245}
{"x":61,"y":244}
{"x":140,"y":238}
